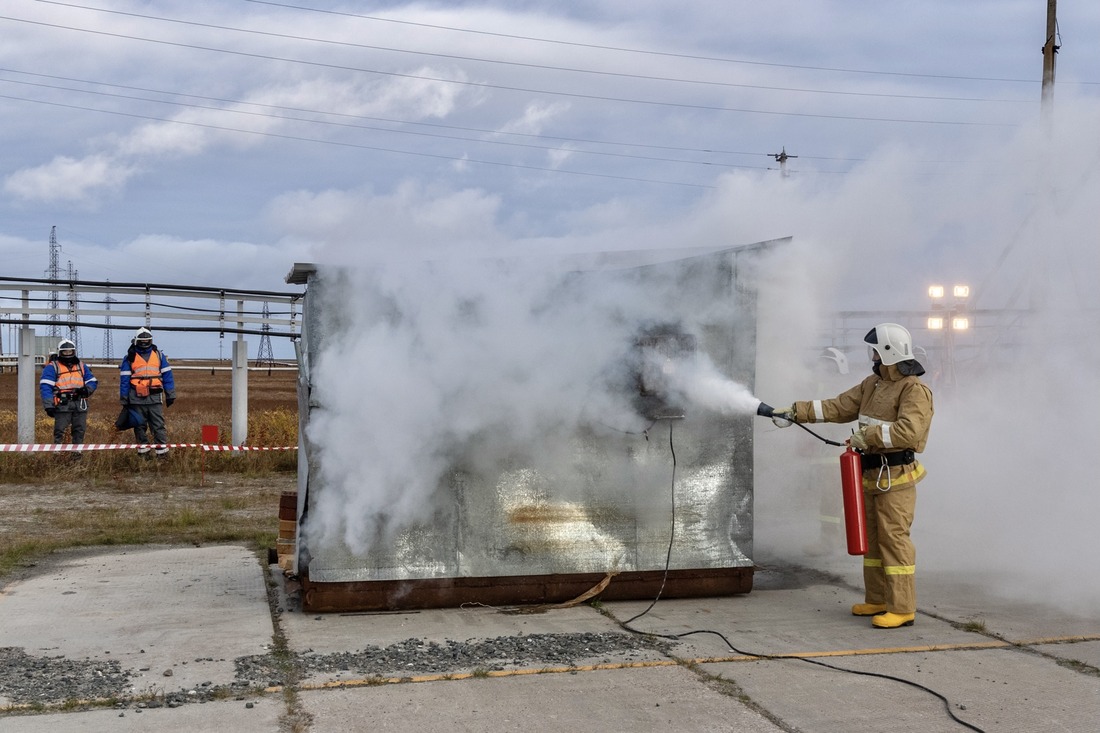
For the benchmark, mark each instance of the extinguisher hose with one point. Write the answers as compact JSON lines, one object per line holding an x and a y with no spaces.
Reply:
{"x":766,"y":410}
{"x":824,"y":440}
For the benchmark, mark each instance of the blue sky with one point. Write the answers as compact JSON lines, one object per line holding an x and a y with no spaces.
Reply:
{"x":218,"y":143}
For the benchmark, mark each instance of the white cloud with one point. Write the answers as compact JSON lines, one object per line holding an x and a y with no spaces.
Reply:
{"x":69,"y":179}
{"x":536,"y":116}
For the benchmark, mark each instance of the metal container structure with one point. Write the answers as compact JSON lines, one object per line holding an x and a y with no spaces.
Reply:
{"x":657,"y":503}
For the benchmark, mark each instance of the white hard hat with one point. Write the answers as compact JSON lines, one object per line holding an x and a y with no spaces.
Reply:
{"x":143,"y":333}
{"x":891,"y":341}
{"x":64,"y":345}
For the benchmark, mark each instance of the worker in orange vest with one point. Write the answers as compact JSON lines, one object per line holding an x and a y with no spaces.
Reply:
{"x":146,"y":385}
{"x":65,"y":387}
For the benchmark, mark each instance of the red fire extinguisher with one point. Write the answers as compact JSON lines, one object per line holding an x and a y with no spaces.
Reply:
{"x":851,"y":481}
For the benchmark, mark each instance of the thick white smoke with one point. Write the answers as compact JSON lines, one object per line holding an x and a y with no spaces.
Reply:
{"x":428,"y":359}
{"x":1009,"y":501}
{"x":698,"y":381}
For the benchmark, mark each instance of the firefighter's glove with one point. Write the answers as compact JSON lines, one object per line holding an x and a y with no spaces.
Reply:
{"x":51,"y":411}
{"x":168,"y":401}
{"x":858,"y":440}
{"x":784,"y":417}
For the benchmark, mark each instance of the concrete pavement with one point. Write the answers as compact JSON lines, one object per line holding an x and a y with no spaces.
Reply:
{"x":179,"y":619}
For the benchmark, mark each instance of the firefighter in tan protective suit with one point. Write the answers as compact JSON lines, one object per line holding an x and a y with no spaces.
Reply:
{"x":894,"y":410}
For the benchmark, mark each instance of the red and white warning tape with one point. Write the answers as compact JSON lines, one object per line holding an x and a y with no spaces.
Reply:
{"x":205,"y":446}
{"x":65,"y":447}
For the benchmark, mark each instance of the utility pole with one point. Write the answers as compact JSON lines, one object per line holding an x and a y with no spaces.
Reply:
{"x":1050,"y":48}
{"x":782,"y":158}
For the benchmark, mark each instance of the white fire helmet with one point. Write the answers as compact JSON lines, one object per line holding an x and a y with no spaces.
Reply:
{"x":66,"y":345}
{"x":143,"y":337}
{"x":891,"y":341}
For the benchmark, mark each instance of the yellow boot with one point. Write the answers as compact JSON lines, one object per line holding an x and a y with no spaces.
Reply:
{"x":868,"y":609}
{"x":892,"y":620}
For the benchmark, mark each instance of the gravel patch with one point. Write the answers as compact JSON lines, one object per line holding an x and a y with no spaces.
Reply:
{"x":27,"y":680}
{"x":416,"y":656}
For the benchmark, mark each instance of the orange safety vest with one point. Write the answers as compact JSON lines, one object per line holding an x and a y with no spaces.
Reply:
{"x":145,"y":374}
{"x":69,"y":379}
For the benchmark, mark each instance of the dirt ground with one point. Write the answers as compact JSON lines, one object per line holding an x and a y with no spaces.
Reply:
{"x":225,"y":507}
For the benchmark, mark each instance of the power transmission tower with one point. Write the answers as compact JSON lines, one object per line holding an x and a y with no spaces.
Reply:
{"x":265,"y":355}
{"x":782,"y":158}
{"x":74,"y":332}
{"x":108,"y":344}
{"x":53,"y":272}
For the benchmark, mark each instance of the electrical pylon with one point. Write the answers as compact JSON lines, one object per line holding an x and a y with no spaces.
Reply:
{"x":53,"y":272}
{"x":74,"y":332}
{"x":264,"y":355}
{"x":108,"y":344}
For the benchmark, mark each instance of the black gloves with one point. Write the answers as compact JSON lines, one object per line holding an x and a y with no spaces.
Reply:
{"x":168,"y":401}
{"x":51,"y":411}
{"x":81,"y":392}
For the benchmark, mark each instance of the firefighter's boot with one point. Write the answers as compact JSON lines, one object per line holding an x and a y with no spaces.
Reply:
{"x":868,"y":609}
{"x":892,"y":620}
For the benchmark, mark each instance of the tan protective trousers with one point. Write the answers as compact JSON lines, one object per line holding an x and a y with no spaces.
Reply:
{"x":891,"y":559}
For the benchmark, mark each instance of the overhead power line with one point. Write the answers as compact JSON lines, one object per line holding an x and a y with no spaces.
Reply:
{"x":269,"y":115}
{"x":461,"y":159}
{"x":505,"y":87}
{"x":528,"y":65}
{"x":648,"y":52}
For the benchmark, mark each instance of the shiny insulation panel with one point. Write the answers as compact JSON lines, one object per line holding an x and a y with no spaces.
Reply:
{"x":515,"y":533}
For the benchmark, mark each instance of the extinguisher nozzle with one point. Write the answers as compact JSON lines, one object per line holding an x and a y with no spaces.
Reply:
{"x":765,"y":410}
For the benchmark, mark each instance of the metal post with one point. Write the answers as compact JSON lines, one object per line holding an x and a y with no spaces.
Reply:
{"x":27,"y":404}
{"x":28,"y":400}
{"x":949,"y":333}
{"x":239,"y":386}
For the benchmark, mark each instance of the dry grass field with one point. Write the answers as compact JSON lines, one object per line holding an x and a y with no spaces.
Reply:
{"x":49,"y":501}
